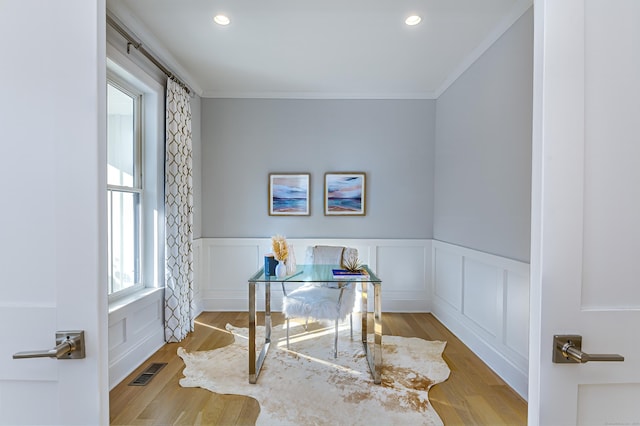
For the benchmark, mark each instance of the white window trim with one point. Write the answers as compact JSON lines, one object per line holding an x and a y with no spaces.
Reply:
{"x":121,"y":69}
{"x":138,"y":184}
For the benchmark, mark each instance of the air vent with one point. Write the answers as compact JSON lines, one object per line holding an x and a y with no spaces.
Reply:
{"x":145,"y":377}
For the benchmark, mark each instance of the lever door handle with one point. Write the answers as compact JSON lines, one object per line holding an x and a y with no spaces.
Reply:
{"x":69,"y":345}
{"x":568,"y":349}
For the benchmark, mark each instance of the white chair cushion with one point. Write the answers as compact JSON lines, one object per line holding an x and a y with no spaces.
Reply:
{"x":319,"y":302}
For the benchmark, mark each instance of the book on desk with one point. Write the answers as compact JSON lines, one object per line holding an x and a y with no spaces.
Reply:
{"x":343,"y":273}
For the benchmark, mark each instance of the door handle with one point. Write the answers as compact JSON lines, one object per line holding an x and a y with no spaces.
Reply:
{"x":69,"y":345}
{"x":567,"y":348}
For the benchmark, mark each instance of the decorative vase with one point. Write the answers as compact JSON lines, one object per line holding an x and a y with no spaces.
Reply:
{"x":291,"y":263}
{"x":281,"y":269}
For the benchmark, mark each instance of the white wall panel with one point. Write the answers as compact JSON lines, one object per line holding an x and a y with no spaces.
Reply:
{"x":14,"y":394}
{"x":228,"y":262}
{"x":482,"y":295}
{"x":516,"y":333}
{"x":621,"y":406}
{"x":447,"y":274}
{"x":136,"y":330}
{"x":117,"y":334}
{"x":407,"y":275}
{"x":197,"y":266}
{"x":484,"y":300}
{"x":147,"y":316}
{"x":403,"y":265}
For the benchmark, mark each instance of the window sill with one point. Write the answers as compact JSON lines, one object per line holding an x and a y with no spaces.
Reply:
{"x":132,"y":298}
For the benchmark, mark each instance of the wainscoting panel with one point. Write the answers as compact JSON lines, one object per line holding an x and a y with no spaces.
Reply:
{"x":197,"y":273}
{"x":147,"y":317}
{"x":117,"y":334}
{"x":227,"y":263}
{"x":404,"y":270}
{"x":484,"y":300}
{"x":517,"y":311}
{"x":136,"y":331}
{"x":446,"y":270}
{"x":229,"y":260}
{"x":223,"y":264}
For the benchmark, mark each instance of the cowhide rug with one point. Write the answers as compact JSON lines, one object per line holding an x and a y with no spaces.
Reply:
{"x":307,"y":386}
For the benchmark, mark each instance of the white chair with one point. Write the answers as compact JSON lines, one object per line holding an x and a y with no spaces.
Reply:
{"x":326,"y":301}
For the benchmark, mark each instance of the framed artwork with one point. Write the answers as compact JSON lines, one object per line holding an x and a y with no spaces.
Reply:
{"x":289,"y":194}
{"x":345,"y":194}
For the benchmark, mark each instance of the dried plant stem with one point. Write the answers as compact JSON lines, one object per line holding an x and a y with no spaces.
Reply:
{"x":280,"y":247}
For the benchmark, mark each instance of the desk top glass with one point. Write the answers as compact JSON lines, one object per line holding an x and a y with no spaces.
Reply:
{"x":316,"y":273}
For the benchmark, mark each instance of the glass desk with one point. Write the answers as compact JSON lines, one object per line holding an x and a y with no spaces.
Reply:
{"x":306,"y":274}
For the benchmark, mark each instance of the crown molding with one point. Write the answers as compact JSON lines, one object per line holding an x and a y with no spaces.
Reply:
{"x":318,"y":95}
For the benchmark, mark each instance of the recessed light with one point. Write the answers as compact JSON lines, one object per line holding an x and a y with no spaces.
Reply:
{"x":413,"y":20}
{"x":221,"y":20}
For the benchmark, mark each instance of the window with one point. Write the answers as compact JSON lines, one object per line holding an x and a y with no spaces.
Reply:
{"x":124,"y":189}
{"x":135,"y":180}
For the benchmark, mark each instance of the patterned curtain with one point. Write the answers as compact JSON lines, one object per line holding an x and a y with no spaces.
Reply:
{"x":178,"y":294}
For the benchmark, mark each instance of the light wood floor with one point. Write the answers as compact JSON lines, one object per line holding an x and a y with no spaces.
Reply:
{"x":473,"y":394}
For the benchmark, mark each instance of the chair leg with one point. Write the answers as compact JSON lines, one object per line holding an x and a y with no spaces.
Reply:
{"x":351,"y":325}
{"x":335,"y":341}
{"x":287,"y":333}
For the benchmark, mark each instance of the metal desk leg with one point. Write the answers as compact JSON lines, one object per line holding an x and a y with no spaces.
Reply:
{"x":377,"y":329}
{"x":267,"y":318}
{"x":256,"y":365}
{"x":374,"y":358}
{"x":364,"y":307}
{"x":252,"y":332}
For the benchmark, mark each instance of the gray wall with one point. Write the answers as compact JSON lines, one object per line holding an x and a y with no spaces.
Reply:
{"x":243,"y":140}
{"x":196,"y":139}
{"x":483,"y":150}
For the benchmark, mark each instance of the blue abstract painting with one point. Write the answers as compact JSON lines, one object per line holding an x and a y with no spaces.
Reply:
{"x":289,"y":194}
{"x":345,"y":194}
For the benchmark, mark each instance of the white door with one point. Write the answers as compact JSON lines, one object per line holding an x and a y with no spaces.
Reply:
{"x":52,"y":209}
{"x":586,"y":210}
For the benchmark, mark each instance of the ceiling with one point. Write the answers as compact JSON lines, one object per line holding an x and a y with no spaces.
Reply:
{"x":329,"y":49}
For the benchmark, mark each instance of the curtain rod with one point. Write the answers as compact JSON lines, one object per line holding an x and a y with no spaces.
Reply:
{"x":138,"y":46}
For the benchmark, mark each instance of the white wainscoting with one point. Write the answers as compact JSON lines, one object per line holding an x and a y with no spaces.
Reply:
{"x":136,"y":331}
{"x":223,"y":265}
{"x":484,"y":300}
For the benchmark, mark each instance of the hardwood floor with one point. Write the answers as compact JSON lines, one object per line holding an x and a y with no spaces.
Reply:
{"x":473,"y":394}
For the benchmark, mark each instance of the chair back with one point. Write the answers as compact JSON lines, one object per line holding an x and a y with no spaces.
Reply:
{"x":331,"y":255}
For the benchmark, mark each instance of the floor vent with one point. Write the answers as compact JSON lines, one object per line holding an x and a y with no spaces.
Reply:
{"x":145,"y":377}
